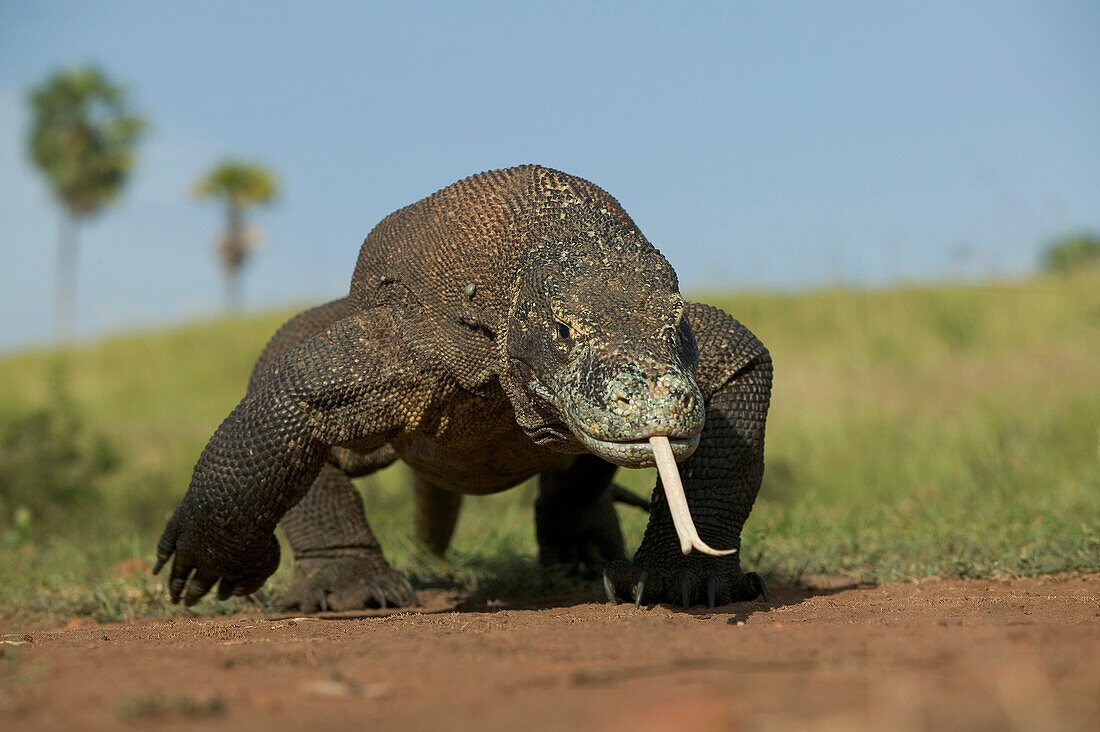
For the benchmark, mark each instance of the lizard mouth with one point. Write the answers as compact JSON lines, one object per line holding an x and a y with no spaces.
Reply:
{"x":636,"y":453}
{"x":651,"y":450}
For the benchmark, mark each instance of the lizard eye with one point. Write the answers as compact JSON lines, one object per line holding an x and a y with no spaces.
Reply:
{"x":563,"y":332}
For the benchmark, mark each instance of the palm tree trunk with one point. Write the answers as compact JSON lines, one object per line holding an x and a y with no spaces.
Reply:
{"x":233,"y":291}
{"x":234,"y":257}
{"x":65,"y":294}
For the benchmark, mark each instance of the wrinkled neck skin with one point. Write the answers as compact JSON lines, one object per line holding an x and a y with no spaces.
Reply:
{"x":596,"y":355}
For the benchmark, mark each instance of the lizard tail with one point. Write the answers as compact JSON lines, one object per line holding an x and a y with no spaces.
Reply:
{"x":622,"y":495}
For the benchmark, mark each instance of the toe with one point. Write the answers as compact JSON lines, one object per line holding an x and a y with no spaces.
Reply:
{"x":717,"y":591}
{"x":351,"y":599}
{"x":225,"y":588}
{"x":197,"y":586}
{"x":685,"y":590}
{"x":618,"y":577}
{"x":757,"y":586}
{"x":307,"y":601}
{"x":395,"y":593}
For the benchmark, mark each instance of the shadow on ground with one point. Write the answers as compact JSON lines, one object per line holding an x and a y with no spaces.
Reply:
{"x":520,"y":584}
{"x":524,"y":584}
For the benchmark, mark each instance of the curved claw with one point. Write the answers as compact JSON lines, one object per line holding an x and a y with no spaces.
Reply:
{"x":379,"y":594}
{"x":609,"y":589}
{"x":410,"y":592}
{"x":757,"y":583}
{"x":639,"y":590}
{"x":712,"y":590}
{"x":393,"y":592}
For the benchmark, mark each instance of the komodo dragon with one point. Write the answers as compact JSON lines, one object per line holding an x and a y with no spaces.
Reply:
{"x":514,"y":323}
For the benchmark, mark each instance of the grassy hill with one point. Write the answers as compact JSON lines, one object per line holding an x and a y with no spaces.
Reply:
{"x":915,"y":431}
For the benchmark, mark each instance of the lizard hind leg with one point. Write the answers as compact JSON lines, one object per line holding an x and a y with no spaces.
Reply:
{"x":436,"y":514}
{"x":575,"y":520}
{"x":338,"y":562}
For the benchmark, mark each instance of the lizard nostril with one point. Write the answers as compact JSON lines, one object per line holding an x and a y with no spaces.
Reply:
{"x":622,"y":404}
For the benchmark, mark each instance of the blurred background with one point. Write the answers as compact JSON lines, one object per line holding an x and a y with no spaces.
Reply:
{"x":901,"y":200}
{"x":759,"y":145}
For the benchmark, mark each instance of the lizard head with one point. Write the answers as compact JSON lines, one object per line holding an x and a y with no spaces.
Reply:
{"x":599,"y":356}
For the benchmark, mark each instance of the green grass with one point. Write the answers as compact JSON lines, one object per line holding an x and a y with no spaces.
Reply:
{"x":914,"y":431}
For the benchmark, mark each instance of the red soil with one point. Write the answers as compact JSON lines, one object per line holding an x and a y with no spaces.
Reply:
{"x":968,"y":654}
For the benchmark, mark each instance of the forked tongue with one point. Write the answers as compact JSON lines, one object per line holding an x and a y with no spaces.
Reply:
{"x":677,"y":501}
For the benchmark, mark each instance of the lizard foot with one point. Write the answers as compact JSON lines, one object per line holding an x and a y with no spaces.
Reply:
{"x":351,"y":582}
{"x":712,"y":585}
{"x":582,"y":537}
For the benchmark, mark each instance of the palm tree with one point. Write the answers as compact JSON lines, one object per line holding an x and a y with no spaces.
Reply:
{"x":82,"y":138}
{"x":241,"y":185}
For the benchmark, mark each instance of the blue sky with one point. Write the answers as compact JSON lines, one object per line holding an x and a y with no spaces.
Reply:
{"x":758,"y":145}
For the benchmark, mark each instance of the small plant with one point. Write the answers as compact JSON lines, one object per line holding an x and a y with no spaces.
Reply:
{"x":156,"y":706}
{"x":50,"y":463}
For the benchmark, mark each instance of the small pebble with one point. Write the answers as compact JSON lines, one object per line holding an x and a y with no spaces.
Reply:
{"x":328,"y":687}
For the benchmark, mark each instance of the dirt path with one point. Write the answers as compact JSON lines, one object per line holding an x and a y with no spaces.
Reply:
{"x":957,"y":654}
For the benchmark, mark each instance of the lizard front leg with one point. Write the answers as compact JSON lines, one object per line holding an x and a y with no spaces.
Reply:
{"x":721,"y":478}
{"x":355,"y":384}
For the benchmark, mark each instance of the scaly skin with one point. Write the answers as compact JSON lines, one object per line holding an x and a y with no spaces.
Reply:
{"x":515,"y":323}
